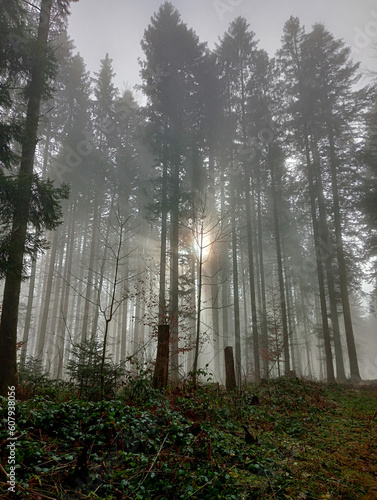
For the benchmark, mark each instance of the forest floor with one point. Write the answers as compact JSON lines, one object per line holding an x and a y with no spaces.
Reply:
{"x":283,"y":439}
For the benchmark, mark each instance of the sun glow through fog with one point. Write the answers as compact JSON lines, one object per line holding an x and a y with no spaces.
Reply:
{"x":205,"y":243}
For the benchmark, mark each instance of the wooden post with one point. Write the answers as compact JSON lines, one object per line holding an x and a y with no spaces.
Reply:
{"x":230,"y":377}
{"x":161,"y":369}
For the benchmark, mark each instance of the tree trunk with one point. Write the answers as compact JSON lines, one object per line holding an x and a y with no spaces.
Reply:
{"x":224,"y":259}
{"x":46,"y":300}
{"x":264,"y":330}
{"x":11,"y":296}
{"x":237,"y":329}
{"x":254,"y":316}
{"x":29,"y":310}
{"x":245,"y":316}
{"x":138,"y":330}
{"x":53,"y":338}
{"x":161,"y":370}
{"x":123,"y":343}
{"x":321,"y":282}
{"x":230,"y":376}
{"x":326,"y":256}
{"x":352,"y":354}
{"x":174,"y":271}
{"x":112,"y":310}
{"x":213,"y":263}
{"x":306,"y":329}
{"x":162,"y":311}
{"x":100,"y":282}
{"x":215,"y":316}
{"x":62,"y":328}
{"x":93,"y":246}
{"x":289,"y":304}
{"x":46,"y":150}
{"x":275,"y":191}
{"x":78,"y":297}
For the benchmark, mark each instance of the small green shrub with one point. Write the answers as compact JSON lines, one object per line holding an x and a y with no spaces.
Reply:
{"x":137,"y":387}
{"x":33,"y":380}
{"x":84,"y":370}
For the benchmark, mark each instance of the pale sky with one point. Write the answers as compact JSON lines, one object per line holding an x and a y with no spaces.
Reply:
{"x":117,"y":26}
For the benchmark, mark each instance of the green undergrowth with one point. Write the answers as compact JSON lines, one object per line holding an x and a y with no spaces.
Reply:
{"x":283,"y":439}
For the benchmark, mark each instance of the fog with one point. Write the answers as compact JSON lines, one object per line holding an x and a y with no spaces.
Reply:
{"x":117,"y":26}
{"x":221,"y":160}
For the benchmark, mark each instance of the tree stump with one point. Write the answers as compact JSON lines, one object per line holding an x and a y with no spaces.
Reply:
{"x":161,"y":369}
{"x":230,"y":376}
